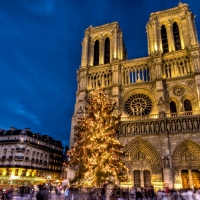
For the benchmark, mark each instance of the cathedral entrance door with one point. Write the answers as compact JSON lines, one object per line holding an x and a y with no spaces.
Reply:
{"x":196,"y":178}
{"x":137,"y":180}
{"x":185,"y":178}
{"x":147,"y":178}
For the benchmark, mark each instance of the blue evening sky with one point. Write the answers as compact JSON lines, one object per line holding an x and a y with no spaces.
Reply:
{"x":40,"y":51}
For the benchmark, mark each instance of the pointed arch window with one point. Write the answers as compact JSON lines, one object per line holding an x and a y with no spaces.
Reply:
{"x":177,"y":41}
{"x":96,"y":53}
{"x":187,"y":105}
{"x":164,"y":39}
{"x":172,"y":106}
{"x":107,"y":51}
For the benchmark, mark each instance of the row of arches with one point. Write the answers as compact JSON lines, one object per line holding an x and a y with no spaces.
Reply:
{"x":176,"y":35}
{"x":176,"y":68}
{"x":145,"y":170}
{"x":137,"y":74}
{"x":186,"y":103}
{"x":106,"y":51}
{"x":104,"y":79}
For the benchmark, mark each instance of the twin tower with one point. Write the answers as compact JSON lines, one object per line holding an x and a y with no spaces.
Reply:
{"x":157,"y":96}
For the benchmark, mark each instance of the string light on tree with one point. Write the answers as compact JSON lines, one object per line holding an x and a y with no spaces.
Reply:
{"x":97,"y":154}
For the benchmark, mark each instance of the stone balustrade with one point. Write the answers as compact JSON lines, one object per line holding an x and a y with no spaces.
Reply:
{"x":156,"y":124}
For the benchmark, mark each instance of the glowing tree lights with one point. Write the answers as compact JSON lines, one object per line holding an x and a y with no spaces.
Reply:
{"x":97,"y":154}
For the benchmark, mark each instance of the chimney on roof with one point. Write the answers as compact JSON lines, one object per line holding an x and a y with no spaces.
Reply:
{"x":12,"y":128}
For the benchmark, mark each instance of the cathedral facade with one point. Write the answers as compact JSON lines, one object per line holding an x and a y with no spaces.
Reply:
{"x":157,"y":96}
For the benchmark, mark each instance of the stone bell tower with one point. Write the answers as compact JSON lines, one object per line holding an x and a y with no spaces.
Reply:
{"x":102,"y":51}
{"x":171,"y":30}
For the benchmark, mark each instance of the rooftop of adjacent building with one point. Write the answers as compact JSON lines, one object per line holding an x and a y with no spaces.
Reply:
{"x":27,"y":131}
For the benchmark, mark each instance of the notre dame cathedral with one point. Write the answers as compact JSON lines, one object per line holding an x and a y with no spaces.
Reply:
{"x":158,"y":96}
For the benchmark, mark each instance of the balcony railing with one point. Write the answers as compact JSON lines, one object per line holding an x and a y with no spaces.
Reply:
{"x":155,"y":116}
{"x":20,"y":149}
{"x":139,"y":117}
{"x":186,"y":113}
{"x":10,"y":157}
{"x":19,"y":157}
{"x":165,"y":123}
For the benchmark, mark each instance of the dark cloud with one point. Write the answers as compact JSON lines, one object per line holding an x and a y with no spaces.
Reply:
{"x":40,"y":50}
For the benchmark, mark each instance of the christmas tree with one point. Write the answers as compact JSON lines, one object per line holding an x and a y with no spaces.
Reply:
{"x":97,"y":155}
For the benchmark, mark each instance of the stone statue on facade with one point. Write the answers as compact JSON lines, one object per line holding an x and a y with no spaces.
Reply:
{"x":124,"y":129}
{"x":128,"y":129}
{"x":195,"y":124}
{"x":173,"y":126}
{"x":142,"y":129}
{"x":184,"y":125}
{"x":166,"y":162}
{"x":152,"y":127}
{"x":189,"y":124}
{"x":157,"y":127}
{"x":168,"y":126}
{"x":147,"y":128}
{"x":133,"y":128}
{"x":162,"y":126}
{"x":178,"y":126}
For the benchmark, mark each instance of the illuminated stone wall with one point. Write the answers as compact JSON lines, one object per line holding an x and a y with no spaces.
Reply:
{"x":157,"y":96}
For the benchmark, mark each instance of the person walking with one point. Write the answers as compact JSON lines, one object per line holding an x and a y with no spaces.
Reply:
{"x":31,"y":192}
{"x":9,"y":193}
{"x":196,"y":195}
{"x":139,"y":194}
{"x":71,"y":193}
{"x":67,"y":193}
{"x":103,"y":190}
{"x":132,"y":193}
{"x":43,"y":193}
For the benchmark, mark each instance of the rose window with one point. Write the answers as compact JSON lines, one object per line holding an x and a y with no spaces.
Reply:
{"x":138,"y":104}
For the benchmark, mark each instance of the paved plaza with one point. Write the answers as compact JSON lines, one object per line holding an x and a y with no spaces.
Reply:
{"x":51,"y":197}
{"x":27,"y":197}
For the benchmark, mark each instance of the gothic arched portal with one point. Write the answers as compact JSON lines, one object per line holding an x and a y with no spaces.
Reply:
{"x":145,"y":158}
{"x":186,"y":162}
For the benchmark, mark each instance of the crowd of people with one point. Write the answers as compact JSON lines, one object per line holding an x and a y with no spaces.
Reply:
{"x":165,"y":194}
{"x":43,"y":192}
{"x":144,"y":193}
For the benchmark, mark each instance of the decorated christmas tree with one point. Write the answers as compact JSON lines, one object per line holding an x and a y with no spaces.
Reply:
{"x":97,"y":155}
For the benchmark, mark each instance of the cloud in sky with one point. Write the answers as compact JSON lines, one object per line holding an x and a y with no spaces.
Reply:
{"x":40,"y":51}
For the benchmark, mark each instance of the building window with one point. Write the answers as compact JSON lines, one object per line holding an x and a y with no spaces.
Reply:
{"x":172,"y":107}
{"x":177,"y":41}
{"x":187,"y":105}
{"x":137,"y":75}
{"x":138,"y":105}
{"x":107,"y":51}
{"x":164,"y":39}
{"x":96,"y":53}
